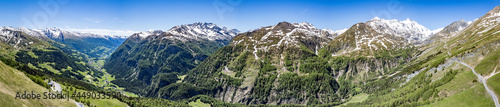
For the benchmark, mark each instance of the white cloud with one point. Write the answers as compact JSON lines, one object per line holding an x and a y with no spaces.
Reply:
{"x":103,"y":31}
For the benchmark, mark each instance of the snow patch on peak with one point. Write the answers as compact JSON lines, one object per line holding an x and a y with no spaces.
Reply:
{"x":31,"y":32}
{"x":408,"y":20}
{"x":6,"y":31}
{"x":287,"y":35}
{"x":8,"y":27}
{"x":304,"y":25}
{"x":56,"y":33}
{"x":408,"y":29}
{"x":436,"y":30}
{"x":145,"y":34}
{"x":53,"y":32}
{"x":196,"y":31}
{"x":334,"y":33}
{"x":204,"y":30}
{"x":340,"y":31}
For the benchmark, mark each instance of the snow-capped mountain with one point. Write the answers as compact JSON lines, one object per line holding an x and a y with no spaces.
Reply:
{"x":408,"y":29}
{"x":31,"y":32}
{"x":486,"y":23}
{"x":456,"y":26}
{"x":208,"y":31}
{"x":94,"y":45}
{"x":196,"y":31}
{"x":379,"y":34}
{"x":7,"y":31}
{"x":145,"y":34}
{"x":335,"y":33}
{"x":484,"y":30}
{"x":178,"y":49}
{"x":286,"y":35}
{"x":450,"y":30}
{"x":15,"y":38}
{"x":56,"y":33}
{"x":364,"y":39}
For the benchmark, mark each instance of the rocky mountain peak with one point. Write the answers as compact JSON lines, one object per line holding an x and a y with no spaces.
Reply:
{"x":145,"y":34}
{"x":456,"y":26}
{"x":284,"y":26}
{"x":203,"y":30}
{"x":285,"y":35}
{"x":495,"y":10}
{"x":450,"y":30}
{"x":408,"y":29}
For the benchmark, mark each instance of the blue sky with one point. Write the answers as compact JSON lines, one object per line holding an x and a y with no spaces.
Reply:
{"x":123,"y":17}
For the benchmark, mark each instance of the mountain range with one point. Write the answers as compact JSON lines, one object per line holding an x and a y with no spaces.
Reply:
{"x":146,"y":55}
{"x":374,"y":63}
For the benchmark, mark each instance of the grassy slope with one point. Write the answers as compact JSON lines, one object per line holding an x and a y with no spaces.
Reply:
{"x":130,"y":94}
{"x":461,"y":82}
{"x":473,"y":97}
{"x":198,"y":103}
{"x":12,"y":81}
{"x":488,"y":64}
{"x":358,"y":98}
{"x":463,"y":92}
{"x":493,"y":82}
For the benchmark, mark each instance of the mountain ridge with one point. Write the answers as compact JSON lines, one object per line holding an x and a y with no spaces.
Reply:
{"x":148,"y":56}
{"x":198,"y":30}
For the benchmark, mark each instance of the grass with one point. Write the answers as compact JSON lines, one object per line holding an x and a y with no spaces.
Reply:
{"x":32,"y":54}
{"x":487,"y":65}
{"x":358,"y":98}
{"x":472,"y":97}
{"x":32,"y":66}
{"x":180,"y":78}
{"x":493,"y":82}
{"x":198,"y":103}
{"x":250,"y":76}
{"x":461,"y":82}
{"x":130,"y":94}
{"x":48,"y":67}
{"x":13,"y":81}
